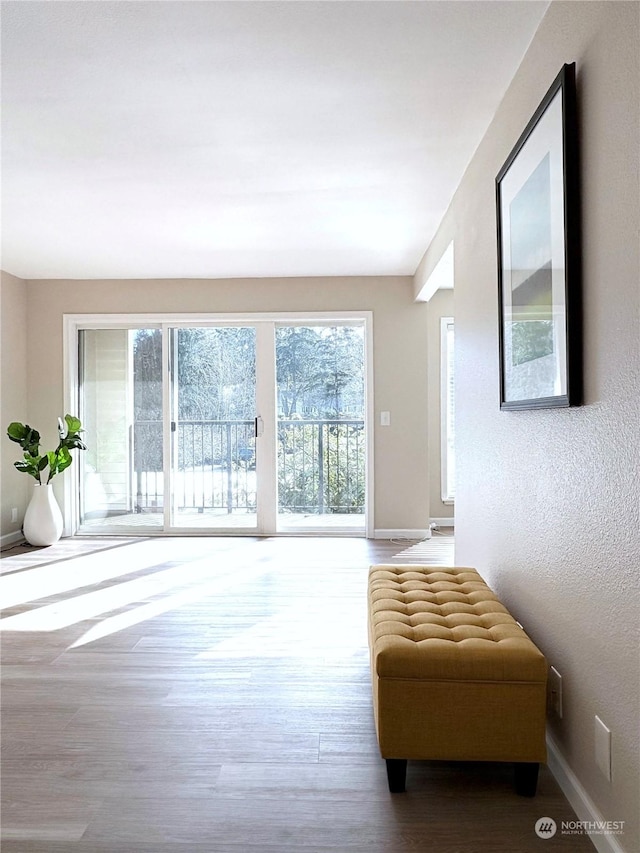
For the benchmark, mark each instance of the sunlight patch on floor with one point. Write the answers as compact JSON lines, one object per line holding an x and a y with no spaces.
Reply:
{"x":298,"y":632}
{"x":88,"y":605}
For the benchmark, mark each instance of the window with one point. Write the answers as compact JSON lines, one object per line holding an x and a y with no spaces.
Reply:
{"x":447,"y":410}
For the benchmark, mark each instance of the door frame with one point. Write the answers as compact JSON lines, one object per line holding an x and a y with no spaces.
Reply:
{"x":265,"y":396}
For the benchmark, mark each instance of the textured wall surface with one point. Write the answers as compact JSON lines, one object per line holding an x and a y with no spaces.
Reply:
{"x":548,"y":501}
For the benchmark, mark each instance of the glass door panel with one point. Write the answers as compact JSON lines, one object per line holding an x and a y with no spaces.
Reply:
{"x":213,"y":447}
{"x":321,"y":450}
{"x":121,"y":412}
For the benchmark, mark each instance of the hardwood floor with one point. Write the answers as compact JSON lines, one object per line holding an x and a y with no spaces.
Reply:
{"x":201,"y":694}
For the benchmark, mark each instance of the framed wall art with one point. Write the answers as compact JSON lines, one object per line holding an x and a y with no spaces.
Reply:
{"x":538,"y":212}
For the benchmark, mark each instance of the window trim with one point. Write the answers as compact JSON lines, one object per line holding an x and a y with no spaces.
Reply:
{"x":447,"y":404}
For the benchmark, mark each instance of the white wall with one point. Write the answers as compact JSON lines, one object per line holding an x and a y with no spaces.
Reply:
{"x":548,"y":501}
{"x":400,"y":357}
{"x":15,"y":487}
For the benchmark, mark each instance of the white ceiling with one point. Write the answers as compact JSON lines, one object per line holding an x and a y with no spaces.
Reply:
{"x":241,"y":139}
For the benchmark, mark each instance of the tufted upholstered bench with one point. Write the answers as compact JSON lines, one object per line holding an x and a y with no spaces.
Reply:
{"x":454,"y":676}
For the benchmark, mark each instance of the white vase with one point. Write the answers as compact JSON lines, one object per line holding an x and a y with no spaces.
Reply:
{"x":43,"y":519}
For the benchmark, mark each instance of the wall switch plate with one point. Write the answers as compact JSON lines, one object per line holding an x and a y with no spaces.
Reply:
{"x":14,"y":514}
{"x":554,"y":692}
{"x":385,"y":418}
{"x":603,"y":747}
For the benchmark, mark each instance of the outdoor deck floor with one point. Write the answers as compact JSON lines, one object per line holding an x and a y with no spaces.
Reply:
{"x":353,"y":523}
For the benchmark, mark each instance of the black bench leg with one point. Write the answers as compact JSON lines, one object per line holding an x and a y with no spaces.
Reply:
{"x":526,"y":778}
{"x":396,"y":774}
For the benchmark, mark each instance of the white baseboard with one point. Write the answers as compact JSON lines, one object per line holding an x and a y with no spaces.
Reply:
{"x":580,"y":801}
{"x":11,"y":539}
{"x":443,"y":522}
{"x":402,"y":534}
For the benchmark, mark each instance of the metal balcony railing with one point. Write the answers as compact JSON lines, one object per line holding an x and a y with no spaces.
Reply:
{"x":321,"y":466}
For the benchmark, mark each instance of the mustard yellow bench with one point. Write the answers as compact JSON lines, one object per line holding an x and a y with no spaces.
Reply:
{"x":454,"y":676}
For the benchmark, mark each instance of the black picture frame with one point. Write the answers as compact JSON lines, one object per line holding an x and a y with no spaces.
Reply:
{"x":539,"y":257}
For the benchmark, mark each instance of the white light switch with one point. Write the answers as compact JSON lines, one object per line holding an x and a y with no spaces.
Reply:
{"x":385,"y":418}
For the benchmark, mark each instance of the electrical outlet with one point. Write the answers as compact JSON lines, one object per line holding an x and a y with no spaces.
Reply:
{"x":603,"y":747}
{"x":554,"y":692}
{"x":14,"y":514}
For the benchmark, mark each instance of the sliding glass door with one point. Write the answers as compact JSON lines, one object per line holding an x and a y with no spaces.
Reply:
{"x":223,"y":427}
{"x":120,"y":399}
{"x":213,"y":428}
{"x":320,"y":374}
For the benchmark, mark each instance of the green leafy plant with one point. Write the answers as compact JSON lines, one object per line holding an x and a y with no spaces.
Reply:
{"x":33,"y":462}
